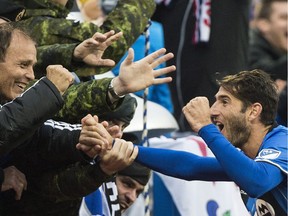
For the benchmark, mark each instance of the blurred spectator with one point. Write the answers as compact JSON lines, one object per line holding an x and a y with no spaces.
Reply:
{"x":268,"y":39}
{"x":268,"y":46}
{"x":207,"y":37}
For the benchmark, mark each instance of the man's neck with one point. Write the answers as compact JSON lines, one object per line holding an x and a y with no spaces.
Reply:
{"x":251,"y":148}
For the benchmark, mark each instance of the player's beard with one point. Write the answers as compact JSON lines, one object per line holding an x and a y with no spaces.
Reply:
{"x":238,"y":131}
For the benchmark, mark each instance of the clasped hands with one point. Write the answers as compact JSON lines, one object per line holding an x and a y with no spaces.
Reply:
{"x":96,"y":140}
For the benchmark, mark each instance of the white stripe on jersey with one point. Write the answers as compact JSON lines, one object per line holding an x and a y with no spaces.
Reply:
{"x":63,"y":125}
{"x":271,"y":162}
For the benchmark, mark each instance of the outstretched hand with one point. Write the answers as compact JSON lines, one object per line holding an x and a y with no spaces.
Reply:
{"x":91,"y":50}
{"x":135,"y":76}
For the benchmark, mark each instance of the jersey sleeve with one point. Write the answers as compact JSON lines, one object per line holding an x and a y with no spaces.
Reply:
{"x":254,"y":177}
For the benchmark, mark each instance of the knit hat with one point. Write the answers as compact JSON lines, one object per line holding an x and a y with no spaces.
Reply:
{"x":11,"y":11}
{"x":139,"y":173}
{"x":124,"y":113}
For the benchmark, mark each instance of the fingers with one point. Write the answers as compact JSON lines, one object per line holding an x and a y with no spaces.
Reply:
{"x":93,"y":134}
{"x":60,"y":77}
{"x":127,"y":148}
{"x":151,"y":57}
{"x":90,"y":121}
{"x":106,"y":62}
{"x":14,"y":179}
{"x":92,"y":138}
{"x":91,"y":41}
{"x":109,"y":33}
{"x":160,"y":60}
{"x":162,"y":80}
{"x":115,"y":131}
{"x":105,"y":124}
{"x":134,"y":153}
{"x":108,"y":37}
{"x":100,"y":37}
{"x":18,"y":188}
{"x":91,"y":151}
{"x":164,"y":71}
{"x":113,"y":38}
{"x":96,"y":118}
{"x":130,"y":57}
{"x":85,"y":118}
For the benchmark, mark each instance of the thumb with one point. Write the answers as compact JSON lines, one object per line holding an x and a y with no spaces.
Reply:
{"x":85,"y":118}
{"x":130,"y":57}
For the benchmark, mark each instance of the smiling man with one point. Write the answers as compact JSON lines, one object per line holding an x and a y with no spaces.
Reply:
{"x":244,"y":118}
{"x":38,"y":153}
{"x":17,"y":70}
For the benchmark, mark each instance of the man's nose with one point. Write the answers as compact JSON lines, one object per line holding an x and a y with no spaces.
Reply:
{"x":30,"y":74}
{"x":132,"y":196}
{"x":213,"y":108}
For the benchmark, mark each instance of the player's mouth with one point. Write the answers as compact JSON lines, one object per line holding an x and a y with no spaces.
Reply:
{"x":219,"y":124}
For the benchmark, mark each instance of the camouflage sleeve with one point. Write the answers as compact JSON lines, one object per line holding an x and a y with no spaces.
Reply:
{"x":50,"y":54}
{"x":129,"y":16}
{"x":87,"y":97}
{"x":72,"y":182}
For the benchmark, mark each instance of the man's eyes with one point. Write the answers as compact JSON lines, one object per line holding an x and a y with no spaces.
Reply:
{"x":24,"y":65}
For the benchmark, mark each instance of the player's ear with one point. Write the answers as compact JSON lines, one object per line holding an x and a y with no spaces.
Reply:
{"x":255,"y":111}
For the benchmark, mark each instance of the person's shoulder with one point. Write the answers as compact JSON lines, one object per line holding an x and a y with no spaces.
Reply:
{"x":276,"y":139}
{"x":279,"y":131}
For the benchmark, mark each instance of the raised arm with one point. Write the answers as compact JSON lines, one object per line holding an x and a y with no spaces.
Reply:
{"x":21,"y":117}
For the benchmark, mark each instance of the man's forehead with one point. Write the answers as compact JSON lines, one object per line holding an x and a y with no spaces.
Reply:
{"x":22,"y":41}
{"x":23,"y":48}
{"x":222,"y":92}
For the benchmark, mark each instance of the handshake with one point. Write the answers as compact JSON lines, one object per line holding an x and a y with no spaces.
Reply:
{"x":103,"y":140}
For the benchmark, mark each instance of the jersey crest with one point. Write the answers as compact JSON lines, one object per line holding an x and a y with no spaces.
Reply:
{"x":269,"y":154}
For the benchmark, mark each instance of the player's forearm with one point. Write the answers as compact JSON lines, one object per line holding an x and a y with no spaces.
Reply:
{"x":181,"y":164}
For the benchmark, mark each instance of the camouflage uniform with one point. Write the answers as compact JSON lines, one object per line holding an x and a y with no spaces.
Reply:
{"x":86,"y":97}
{"x":48,"y":25}
{"x":55,"y":190}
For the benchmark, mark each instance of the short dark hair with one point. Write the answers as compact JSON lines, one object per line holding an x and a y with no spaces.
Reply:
{"x":6,"y":33}
{"x":265,"y":9}
{"x":251,"y":87}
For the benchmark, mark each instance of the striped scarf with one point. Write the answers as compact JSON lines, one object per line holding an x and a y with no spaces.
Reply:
{"x":202,"y":12}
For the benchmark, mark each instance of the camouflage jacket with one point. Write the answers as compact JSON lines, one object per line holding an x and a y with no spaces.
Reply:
{"x":54,"y":189}
{"x":48,"y":25}
{"x":56,"y":192}
{"x":86,"y":97}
